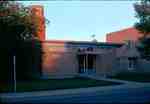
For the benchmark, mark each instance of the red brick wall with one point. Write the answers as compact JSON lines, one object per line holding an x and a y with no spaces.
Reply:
{"x":38,"y":11}
{"x":122,"y":35}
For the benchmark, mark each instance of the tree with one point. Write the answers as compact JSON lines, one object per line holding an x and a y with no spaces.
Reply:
{"x":18,"y":32}
{"x":143,"y":14}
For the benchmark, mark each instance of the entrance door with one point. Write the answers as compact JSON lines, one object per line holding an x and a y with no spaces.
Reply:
{"x":81,"y":63}
{"x":91,"y":60}
{"x":86,"y":63}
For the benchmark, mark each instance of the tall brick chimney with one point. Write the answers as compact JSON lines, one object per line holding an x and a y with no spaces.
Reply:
{"x":38,"y":11}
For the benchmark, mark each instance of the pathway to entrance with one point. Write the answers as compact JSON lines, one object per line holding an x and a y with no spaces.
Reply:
{"x":94,"y":76}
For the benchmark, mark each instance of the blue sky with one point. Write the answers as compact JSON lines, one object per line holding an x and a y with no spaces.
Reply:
{"x":78,"y":20}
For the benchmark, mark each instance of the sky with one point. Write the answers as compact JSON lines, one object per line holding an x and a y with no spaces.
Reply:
{"x":79,"y":20}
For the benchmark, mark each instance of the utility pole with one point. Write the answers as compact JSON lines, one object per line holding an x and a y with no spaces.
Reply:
{"x":84,"y":64}
{"x":14,"y":72}
{"x":86,"y":57}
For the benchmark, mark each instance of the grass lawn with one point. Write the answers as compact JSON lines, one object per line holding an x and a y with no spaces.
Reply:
{"x":53,"y":84}
{"x":133,"y":76}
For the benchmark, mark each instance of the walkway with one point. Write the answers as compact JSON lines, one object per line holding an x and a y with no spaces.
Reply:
{"x":108,"y":79}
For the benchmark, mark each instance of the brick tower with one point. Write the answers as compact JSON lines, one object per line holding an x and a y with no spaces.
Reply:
{"x":38,"y":11}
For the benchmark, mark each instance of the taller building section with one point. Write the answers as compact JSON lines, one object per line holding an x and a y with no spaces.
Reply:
{"x":123,"y":35}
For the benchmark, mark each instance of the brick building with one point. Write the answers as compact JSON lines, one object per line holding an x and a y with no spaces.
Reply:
{"x":69,"y":58}
{"x":122,"y":36}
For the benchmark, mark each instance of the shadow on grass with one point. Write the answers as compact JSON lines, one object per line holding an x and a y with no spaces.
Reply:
{"x":55,"y":84}
{"x":133,"y":76}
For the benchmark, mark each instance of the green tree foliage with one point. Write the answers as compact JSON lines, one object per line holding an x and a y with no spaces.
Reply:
{"x":18,"y":37}
{"x":144,"y":48}
{"x":143,"y":14}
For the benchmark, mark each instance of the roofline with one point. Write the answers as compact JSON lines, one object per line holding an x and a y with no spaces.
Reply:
{"x":72,"y":41}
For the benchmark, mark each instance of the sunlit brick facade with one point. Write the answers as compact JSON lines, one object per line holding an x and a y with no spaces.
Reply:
{"x":38,"y":11}
{"x":123,"y":35}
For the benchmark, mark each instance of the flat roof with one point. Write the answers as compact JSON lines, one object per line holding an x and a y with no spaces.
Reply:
{"x":100,"y":44}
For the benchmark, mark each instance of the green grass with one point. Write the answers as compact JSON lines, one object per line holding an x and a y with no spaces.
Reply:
{"x":133,"y":76}
{"x":53,"y":84}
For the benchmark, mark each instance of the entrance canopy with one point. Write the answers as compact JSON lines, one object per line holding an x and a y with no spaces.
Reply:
{"x":89,"y":52}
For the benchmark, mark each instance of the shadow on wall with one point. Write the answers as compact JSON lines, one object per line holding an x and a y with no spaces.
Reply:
{"x":58,"y":61}
{"x":52,"y":54}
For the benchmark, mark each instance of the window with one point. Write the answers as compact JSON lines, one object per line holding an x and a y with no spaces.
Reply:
{"x":129,"y":44}
{"x":118,"y":62}
{"x":132,"y":63}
